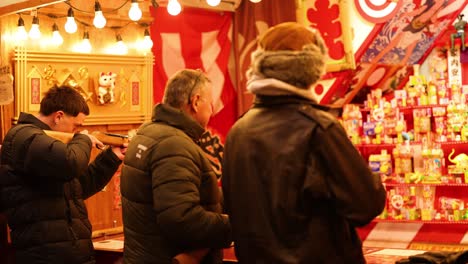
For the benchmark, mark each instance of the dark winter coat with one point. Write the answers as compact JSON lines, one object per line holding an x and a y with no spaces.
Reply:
{"x":43,"y":185}
{"x":170,"y":195}
{"x":295,"y":187}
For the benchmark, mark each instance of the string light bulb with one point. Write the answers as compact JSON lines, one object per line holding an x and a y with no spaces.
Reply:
{"x":56,"y":37}
{"x":70,"y":25}
{"x":21,"y":33}
{"x":213,"y":2}
{"x":120,"y":47}
{"x":86,"y":44}
{"x":255,"y":1}
{"x":173,"y":7}
{"x":135,"y":12}
{"x":99,"y":20}
{"x":147,"y":41}
{"x":34,"y":32}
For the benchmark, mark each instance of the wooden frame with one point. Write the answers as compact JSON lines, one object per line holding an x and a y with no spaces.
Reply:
{"x":333,"y":21}
{"x":36,"y":71}
{"x":22,"y":5}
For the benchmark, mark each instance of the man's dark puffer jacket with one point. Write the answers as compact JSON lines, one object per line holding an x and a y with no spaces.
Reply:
{"x":170,"y":193}
{"x":42,"y":190}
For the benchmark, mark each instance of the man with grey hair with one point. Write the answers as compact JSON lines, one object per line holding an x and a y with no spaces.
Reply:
{"x":171,"y":202}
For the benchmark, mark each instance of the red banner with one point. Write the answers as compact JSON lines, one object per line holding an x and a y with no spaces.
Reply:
{"x":251,"y":20}
{"x":196,"y":39}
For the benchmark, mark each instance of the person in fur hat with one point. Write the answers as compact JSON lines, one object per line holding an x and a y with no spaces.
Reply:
{"x":294,"y":185}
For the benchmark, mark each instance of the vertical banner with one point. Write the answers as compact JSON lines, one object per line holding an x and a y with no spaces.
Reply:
{"x":196,"y":39}
{"x":454,"y":67}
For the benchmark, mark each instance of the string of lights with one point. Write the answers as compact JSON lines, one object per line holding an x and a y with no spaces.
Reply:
{"x":99,"y":21}
{"x":174,"y":7}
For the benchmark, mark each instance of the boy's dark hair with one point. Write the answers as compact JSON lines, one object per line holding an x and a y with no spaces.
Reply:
{"x":63,"y":98}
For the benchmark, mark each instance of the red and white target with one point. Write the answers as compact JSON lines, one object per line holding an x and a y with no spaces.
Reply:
{"x":378,"y":11}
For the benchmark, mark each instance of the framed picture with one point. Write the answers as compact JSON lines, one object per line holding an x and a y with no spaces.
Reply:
{"x":331,"y":18}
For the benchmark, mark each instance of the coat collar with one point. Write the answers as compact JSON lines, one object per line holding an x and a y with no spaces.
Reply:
{"x":266,"y":100}
{"x":271,"y":101}
{"x":26,"y":118}
{"x":176,"y":118}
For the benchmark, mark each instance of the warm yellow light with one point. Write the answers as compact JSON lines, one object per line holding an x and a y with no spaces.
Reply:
{"x":21,"y":33}
{"x":135,"y":12}
{"x":70,"y":25}
{"x":99,"y":20}
{"x":174,"y":8}
{"x":85,"y":46}
{"x":56,"y":37}
{"x":147,"y":41}
{"x":213,"y":2}
{"x":255,"y":1}
{"x":120,"y":47}
{"x":34,"y":32}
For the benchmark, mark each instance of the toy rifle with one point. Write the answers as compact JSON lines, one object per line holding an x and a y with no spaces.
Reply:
{"x":106,"y":138}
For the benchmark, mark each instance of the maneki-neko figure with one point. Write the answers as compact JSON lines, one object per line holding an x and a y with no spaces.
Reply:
{"x":106,"y":87}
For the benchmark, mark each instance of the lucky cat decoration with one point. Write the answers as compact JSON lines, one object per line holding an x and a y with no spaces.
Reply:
{"x":106,"y":88}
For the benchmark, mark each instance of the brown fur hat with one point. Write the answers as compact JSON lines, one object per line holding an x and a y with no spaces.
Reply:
{"x":292,"y":53}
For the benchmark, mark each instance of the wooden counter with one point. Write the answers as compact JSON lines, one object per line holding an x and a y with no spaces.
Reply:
{"x":110,"y":251}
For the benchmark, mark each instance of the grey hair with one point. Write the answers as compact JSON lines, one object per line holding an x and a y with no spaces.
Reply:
{"x":182,"y":85}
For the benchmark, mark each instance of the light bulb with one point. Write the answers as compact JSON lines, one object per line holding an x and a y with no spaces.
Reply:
{"x":34,"y":32}
{"x":213,"y":2}
{"x":56,"y":37}
{"x":85,"y":44}
{"x":173,"y":7}
{"x":70,"y":25}
{"x":147,"y":41}
{"x":120,"y":47}
{"x":135,"y":12}
{"x":99,"y":20}
{"x":255,"y":1}
{"x":21,"y":33}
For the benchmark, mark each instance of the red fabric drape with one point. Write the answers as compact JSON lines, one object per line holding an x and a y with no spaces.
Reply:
{"x":250,"y":20}
{"x":196,"y":39}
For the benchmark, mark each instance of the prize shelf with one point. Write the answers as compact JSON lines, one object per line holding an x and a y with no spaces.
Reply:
{"x":447,"y":146}
{"x":396,"y":184}
{"x":451,"y":189}
{"x":439,"y":227}
{"x":460,"y":222}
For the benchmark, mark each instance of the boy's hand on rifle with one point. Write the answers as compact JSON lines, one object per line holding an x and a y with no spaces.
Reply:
{"x":94,"y":141}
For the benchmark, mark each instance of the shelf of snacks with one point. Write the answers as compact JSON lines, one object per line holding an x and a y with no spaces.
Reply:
{"x":460,"y":222}
{"x":425,"y":202}
{"x":416,"y":142}
{"x":450,"y":184}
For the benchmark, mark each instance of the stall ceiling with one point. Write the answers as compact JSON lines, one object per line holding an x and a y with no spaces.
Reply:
{"x":225,"y":5}
{"x":9,"y":2}
{"x":8,"y":7}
